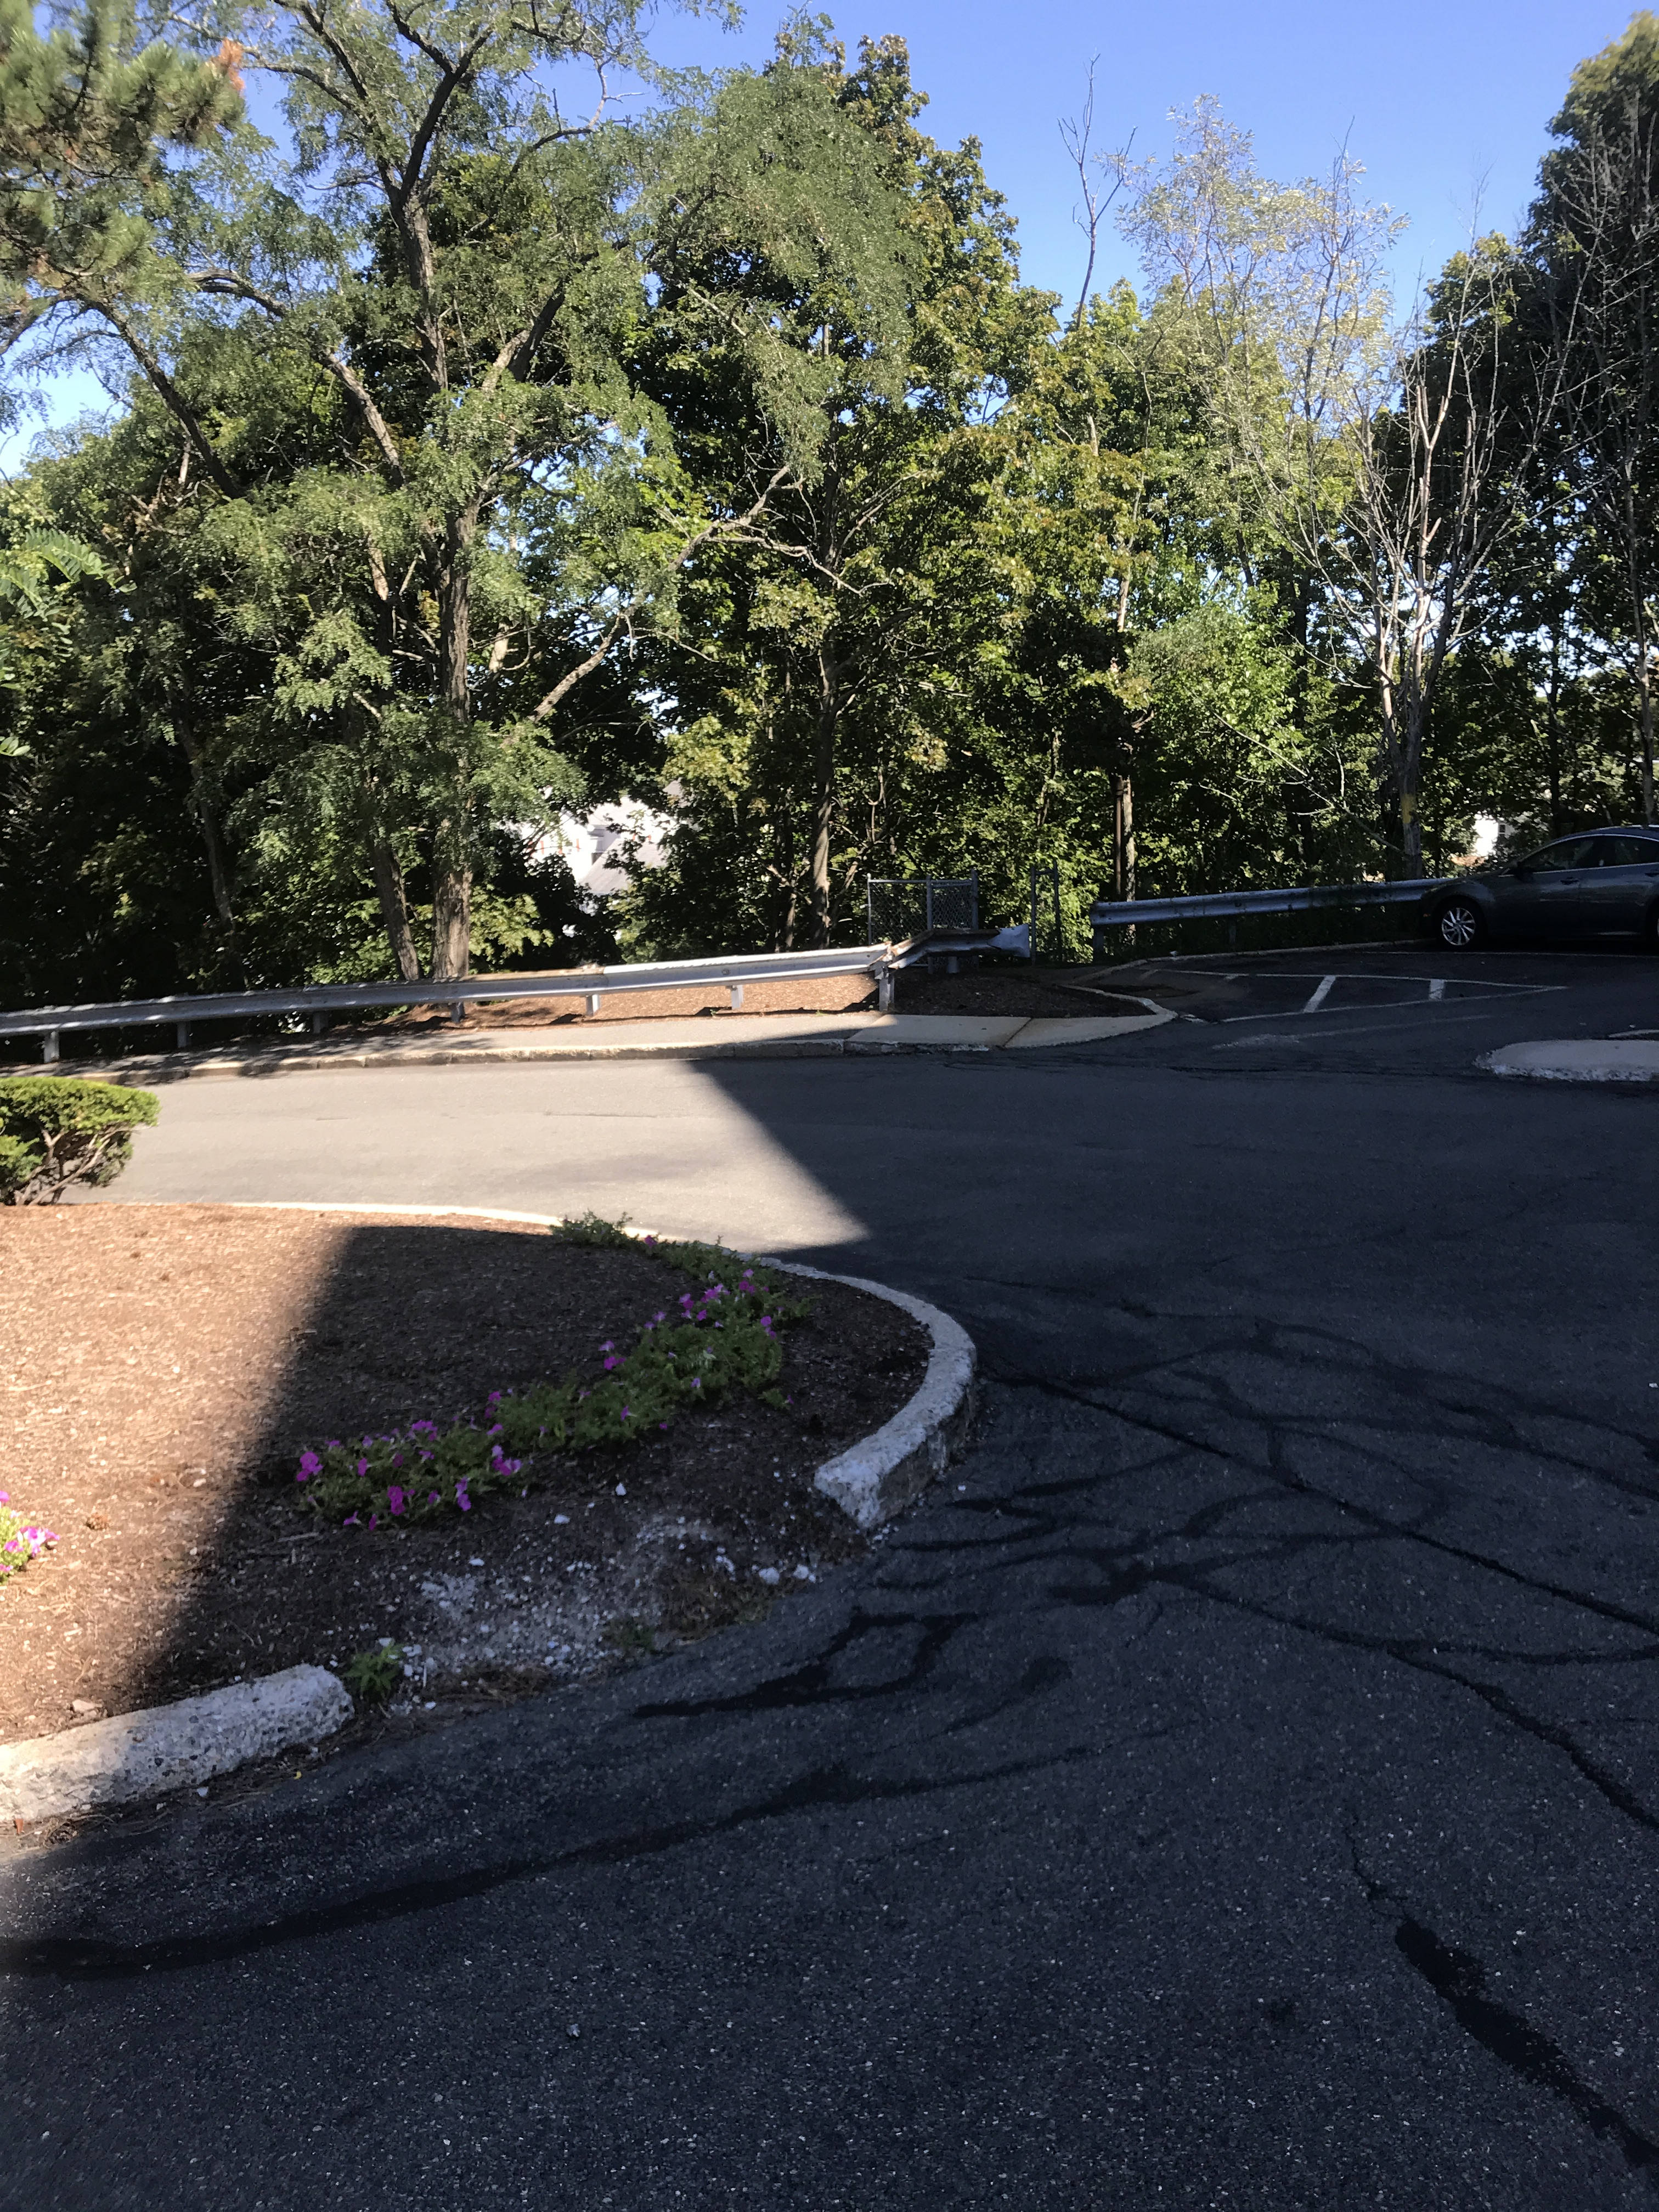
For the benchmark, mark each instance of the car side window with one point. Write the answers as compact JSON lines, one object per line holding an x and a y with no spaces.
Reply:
{"x":1629,"y":852}
{"x":1573,"y":853}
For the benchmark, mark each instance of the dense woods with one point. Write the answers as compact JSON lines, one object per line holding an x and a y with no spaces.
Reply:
{"x":480,"y":451}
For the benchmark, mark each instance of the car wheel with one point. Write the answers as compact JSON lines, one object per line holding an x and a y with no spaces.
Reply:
{"x":1460,"y":925}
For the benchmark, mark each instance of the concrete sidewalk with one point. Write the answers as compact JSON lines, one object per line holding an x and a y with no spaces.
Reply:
{"x":717,"y":1036}
{"x":1579,"y":1060}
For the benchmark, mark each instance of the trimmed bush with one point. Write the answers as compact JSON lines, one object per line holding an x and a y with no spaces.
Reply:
{"x":56,"y":1130}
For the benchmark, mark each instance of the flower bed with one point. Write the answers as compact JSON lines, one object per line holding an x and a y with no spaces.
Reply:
{"x":633,"y":1430}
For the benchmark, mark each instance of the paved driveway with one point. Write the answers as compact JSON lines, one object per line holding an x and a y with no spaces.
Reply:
{"x":1236,"y":1786}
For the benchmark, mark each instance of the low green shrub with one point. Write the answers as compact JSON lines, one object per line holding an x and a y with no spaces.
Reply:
{"x":724,"y":1337}
{"x":56,"y":1130}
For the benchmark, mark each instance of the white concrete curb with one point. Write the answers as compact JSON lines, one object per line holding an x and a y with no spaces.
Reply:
{"x":144,"y":1755}
{"x":1578,"y":1059}
{"x":879,"y":1475}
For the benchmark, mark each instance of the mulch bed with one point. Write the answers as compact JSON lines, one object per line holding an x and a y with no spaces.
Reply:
{"x":1013,"y":990}
{"x":169,"y":1363}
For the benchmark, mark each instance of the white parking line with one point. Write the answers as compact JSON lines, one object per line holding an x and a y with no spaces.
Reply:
{"x":1319,"y":996}
{"x":1436,"y":987}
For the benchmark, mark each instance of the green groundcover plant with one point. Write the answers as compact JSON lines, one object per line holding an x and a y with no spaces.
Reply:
{"x":720,"y":1337}
{"x":20,"y":1540}
{"x":57,"y":1130}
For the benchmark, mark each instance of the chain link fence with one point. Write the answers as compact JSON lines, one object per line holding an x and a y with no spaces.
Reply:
{"x":901,"y":907}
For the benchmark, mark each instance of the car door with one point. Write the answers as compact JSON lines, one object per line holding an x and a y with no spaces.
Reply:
{"x":1545,"y":895}
{"x":1626,"y":885}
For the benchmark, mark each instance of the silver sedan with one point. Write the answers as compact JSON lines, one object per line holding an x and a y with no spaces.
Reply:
{"x":1604,"y":882}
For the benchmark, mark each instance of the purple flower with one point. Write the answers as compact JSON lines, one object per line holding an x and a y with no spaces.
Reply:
{"x":351,"y":1521}
{"x":362,"y":1467}
{"x":461,"y":1497}
{"x":373,"y":1519}
{"x":612,"y":1362}
{"x":432,"y":1498}
{"x":309,"y":1465}
{"x":624,"y":1412}
{"x":394,"y":1498}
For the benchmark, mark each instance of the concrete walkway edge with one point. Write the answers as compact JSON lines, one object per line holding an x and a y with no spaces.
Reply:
{"x":735,"y":1036}
{"x":1578,"y":1059}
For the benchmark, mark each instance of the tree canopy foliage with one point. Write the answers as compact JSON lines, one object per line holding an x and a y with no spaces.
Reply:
{"x":482,"y":447}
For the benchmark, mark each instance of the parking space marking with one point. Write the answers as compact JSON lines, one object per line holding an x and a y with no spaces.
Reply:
{"x":1435,"y":994}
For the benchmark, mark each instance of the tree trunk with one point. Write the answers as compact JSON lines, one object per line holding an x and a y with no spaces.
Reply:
{"x":1123,"y":832}
{"x":217,"y":860}
{"x":452,"y":867}
{"x":823,"y":794}
{"x":1644,"y":683}
{"x":394,"y":907}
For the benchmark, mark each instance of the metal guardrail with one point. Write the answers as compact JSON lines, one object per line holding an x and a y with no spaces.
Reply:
{"x":321,"y":1000}
{"x":1222,"y":906}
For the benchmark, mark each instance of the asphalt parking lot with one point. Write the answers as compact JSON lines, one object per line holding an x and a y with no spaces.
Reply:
{"x":1235,"y":1785}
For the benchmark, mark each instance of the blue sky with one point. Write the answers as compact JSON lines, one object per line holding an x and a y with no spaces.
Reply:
{"x":1446,"y":102}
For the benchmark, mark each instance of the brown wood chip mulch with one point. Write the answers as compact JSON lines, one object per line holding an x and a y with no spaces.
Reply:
{"x":167,"y":1364}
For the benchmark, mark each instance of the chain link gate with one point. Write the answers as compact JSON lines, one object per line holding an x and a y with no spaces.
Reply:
{"x":901,"y":907}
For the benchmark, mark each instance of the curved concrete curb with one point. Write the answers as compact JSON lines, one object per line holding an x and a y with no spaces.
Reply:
{"x":879,"y":1475}
{"x":1578,"y":1059}
{"x":138,"y":1755}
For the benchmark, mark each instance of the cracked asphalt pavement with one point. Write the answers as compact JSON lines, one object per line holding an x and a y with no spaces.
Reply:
{"x":1235,"y":1785}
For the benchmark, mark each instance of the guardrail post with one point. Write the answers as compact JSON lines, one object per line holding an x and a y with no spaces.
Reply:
{"x":737,"y":997}
{"x":319,"y":1023}
{"x":884,"y":990}
{"x":594,"y":1002}
{"x":458,"y":1011}
{"x":49,"y":1045}
{"x":181,"y":1031}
